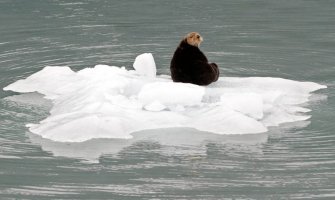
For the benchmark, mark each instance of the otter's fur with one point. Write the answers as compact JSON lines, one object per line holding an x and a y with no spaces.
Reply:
{"x":190,"y":65}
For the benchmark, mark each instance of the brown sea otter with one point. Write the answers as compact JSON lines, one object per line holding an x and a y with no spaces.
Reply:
{"x":190,"y":65}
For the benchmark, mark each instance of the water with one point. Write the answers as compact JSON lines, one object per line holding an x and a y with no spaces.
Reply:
{"x":287,"y":39}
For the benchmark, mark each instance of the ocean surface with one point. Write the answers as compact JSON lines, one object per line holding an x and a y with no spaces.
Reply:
{"x":261,"y":38}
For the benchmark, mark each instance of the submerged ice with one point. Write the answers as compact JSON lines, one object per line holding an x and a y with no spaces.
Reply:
{"x":112,"y":102}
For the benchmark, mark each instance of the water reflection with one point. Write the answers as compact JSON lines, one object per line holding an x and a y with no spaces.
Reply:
{"x":173,"y":141}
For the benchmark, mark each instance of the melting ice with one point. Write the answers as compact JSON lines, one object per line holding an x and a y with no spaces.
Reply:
{"x":112,"y":102}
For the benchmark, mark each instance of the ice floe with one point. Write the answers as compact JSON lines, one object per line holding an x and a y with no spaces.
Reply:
{"x":113,"y":102}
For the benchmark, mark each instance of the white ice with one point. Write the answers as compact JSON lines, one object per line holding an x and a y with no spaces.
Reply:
{"x":112,"y":102}
{"x":145,"y":65}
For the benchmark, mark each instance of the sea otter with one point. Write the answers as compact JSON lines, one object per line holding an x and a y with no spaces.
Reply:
{"x":190,"y":65}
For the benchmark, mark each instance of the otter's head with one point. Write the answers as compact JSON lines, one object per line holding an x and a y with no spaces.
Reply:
{"x":193,"y":39}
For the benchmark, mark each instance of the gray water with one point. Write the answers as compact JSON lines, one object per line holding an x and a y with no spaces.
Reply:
{"x":287,"y":39}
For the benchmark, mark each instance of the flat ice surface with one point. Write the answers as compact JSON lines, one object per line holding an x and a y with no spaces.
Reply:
{"x":112,"y":102}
